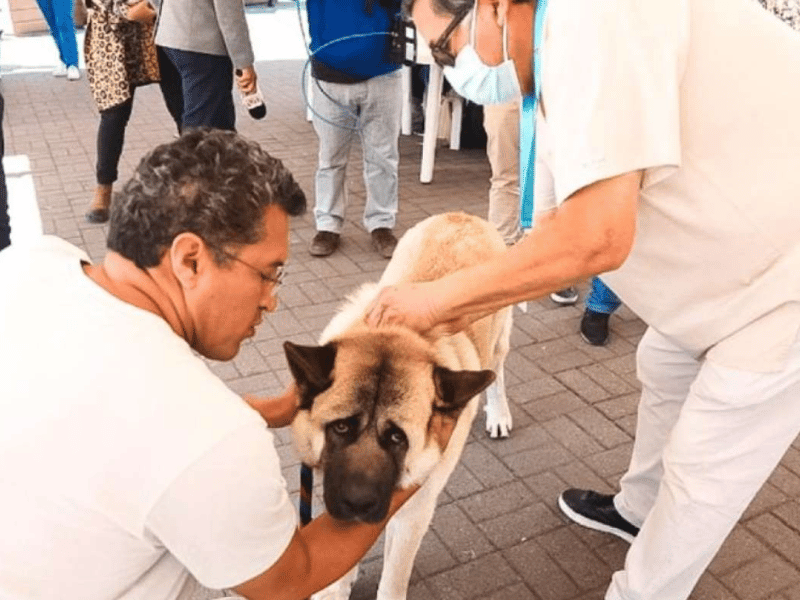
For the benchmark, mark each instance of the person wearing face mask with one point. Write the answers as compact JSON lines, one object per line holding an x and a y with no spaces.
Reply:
{"x":663,"y":182}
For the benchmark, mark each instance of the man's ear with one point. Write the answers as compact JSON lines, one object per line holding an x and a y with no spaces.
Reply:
{"x":454,"y":389}
{"x":189,"y":257}
{"x":311,"y":367}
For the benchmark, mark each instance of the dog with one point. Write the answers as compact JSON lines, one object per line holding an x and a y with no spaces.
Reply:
{"x":368,"y":396}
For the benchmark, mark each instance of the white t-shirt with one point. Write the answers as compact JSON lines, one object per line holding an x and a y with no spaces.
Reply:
{"x":703,"y":96}
{"x":129,"y":469}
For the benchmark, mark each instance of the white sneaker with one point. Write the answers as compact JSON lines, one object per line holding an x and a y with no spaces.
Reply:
{"x":73,"y":73}
{"x":60,"y":70}
{"x":565,"y":297}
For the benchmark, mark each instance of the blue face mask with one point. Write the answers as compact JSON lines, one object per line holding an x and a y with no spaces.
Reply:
{"x":481,"y":83}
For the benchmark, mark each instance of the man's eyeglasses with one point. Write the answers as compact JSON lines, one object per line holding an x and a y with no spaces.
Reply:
{"x":275,"y":279}
{"x":439,"y":49}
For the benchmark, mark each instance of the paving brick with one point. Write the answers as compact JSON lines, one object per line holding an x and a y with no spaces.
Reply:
{"x":578,"y":561}
{"x":474,"y":580}
{"x":523,"y":524}
{"x":487,"y":468}
{"x":582,"y":385}
{"x":550,"y":407}
{"x":541,"y":572}
{"x":538,"y":459}
{"x":761,"y":578}
{"x":599,"y":426}
{"x":461,"y":537}
{"x":740,"y":547}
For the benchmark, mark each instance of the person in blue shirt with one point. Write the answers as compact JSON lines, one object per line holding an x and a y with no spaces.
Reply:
{"x":356,"y":93}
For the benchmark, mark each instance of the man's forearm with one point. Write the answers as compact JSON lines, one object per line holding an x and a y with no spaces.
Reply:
{"x":590,"y":233}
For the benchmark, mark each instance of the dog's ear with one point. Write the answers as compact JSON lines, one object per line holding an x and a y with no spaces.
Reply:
{"x":455,"y":388}
{"x":311,"y":367}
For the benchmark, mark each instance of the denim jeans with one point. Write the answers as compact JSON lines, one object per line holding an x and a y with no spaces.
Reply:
{"x":206,"y":82}
{"x":601,"y":299}
{"x":370,"y":110}
{"x":58,"y":14}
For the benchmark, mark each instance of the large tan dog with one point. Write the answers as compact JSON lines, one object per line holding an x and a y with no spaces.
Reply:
{"x":368,"y":397}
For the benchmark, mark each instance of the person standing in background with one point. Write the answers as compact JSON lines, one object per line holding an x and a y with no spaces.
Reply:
{"x":58,"y":14}
{"x":205,"y":41}
{"x":120,"y":56}
{"x":501,"y":123}
{"x":357,"y":92}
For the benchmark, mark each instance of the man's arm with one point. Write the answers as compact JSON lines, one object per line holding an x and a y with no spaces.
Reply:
{"x":278,"y":411}
{"x":590,"y":233}
{"x":233,"y":26}
{"x":319,"y":554}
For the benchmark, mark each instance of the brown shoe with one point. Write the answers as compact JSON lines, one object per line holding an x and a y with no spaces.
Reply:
{"x":324,"y":243}
{"x":98,"y":210}
{"x":383,"y":241}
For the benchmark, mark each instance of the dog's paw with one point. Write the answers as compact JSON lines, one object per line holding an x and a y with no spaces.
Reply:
{"x":498,"y":421}
{"x":338,"y":590}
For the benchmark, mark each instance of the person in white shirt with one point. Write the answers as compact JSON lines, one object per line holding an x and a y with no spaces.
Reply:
{"x":673,"y":134}
{"x":133,"y":472}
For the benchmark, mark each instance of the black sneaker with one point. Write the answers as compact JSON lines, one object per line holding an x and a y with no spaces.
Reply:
{"x":594,"y":328}
{"x":596,"y":511}
{"x":565,"y":297}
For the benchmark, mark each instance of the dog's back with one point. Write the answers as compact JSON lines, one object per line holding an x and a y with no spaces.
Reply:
{"x":434,"y":247}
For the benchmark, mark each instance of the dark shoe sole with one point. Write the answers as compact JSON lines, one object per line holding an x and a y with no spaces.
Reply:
{"x":326,"y":248}
{"x":594,"y":342}
{"x":97,"y":215}
{"x":590,"y":524}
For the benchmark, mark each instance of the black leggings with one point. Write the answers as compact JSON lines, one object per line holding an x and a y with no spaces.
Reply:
{"x":110,"y":139}
{"x":113,"y":121}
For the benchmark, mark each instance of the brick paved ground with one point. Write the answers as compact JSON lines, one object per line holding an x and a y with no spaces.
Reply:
{"x":497,"y":534}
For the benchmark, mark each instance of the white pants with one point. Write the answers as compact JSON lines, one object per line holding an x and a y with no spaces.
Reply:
{"x":707,"y":438}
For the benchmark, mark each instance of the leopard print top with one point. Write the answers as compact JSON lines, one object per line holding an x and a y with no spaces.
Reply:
{"x":120,"y":54}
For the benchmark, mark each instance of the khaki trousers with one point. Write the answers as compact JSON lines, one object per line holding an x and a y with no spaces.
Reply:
{"x":501,"y":122}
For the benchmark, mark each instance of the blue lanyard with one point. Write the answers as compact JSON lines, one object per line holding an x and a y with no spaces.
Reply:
{"x":527,"y":125}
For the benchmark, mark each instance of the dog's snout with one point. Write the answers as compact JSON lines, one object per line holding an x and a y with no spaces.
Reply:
{"x":362,"y":502}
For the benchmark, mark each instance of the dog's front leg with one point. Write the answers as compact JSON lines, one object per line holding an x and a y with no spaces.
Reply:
{"x":404,"y":535}
{"x":498,"y":413}
{"x":339,"y":590}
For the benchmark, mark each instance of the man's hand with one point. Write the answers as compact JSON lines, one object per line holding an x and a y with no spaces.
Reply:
{"x":246,"y":79}
{"x":413,"y":305}
{"x":141,"y":12}
{"x":279,"y":411}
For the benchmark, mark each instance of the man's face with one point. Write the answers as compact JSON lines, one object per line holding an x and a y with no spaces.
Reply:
{"x":229,"y":300}
{"x":488,"y":33}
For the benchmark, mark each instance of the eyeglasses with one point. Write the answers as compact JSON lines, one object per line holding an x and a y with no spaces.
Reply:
{"x":439,"y":50}
{"x":275,"y":279}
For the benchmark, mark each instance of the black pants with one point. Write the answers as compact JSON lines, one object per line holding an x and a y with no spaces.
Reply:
{"x":5,"y":224}
{"x":206,"y":81}
{"x":113,"y":121}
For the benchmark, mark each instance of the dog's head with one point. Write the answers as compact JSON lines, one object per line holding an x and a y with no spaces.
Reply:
{"x":368,"y":400}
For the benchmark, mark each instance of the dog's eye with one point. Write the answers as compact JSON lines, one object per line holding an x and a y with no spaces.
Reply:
{"x":341,"y":427}
{"x":396,"y":436}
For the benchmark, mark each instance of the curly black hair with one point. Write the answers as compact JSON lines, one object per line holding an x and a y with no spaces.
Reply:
{"x":215,"y":184}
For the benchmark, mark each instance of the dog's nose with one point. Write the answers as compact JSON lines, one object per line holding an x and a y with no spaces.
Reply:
{"x":363,"y":503}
